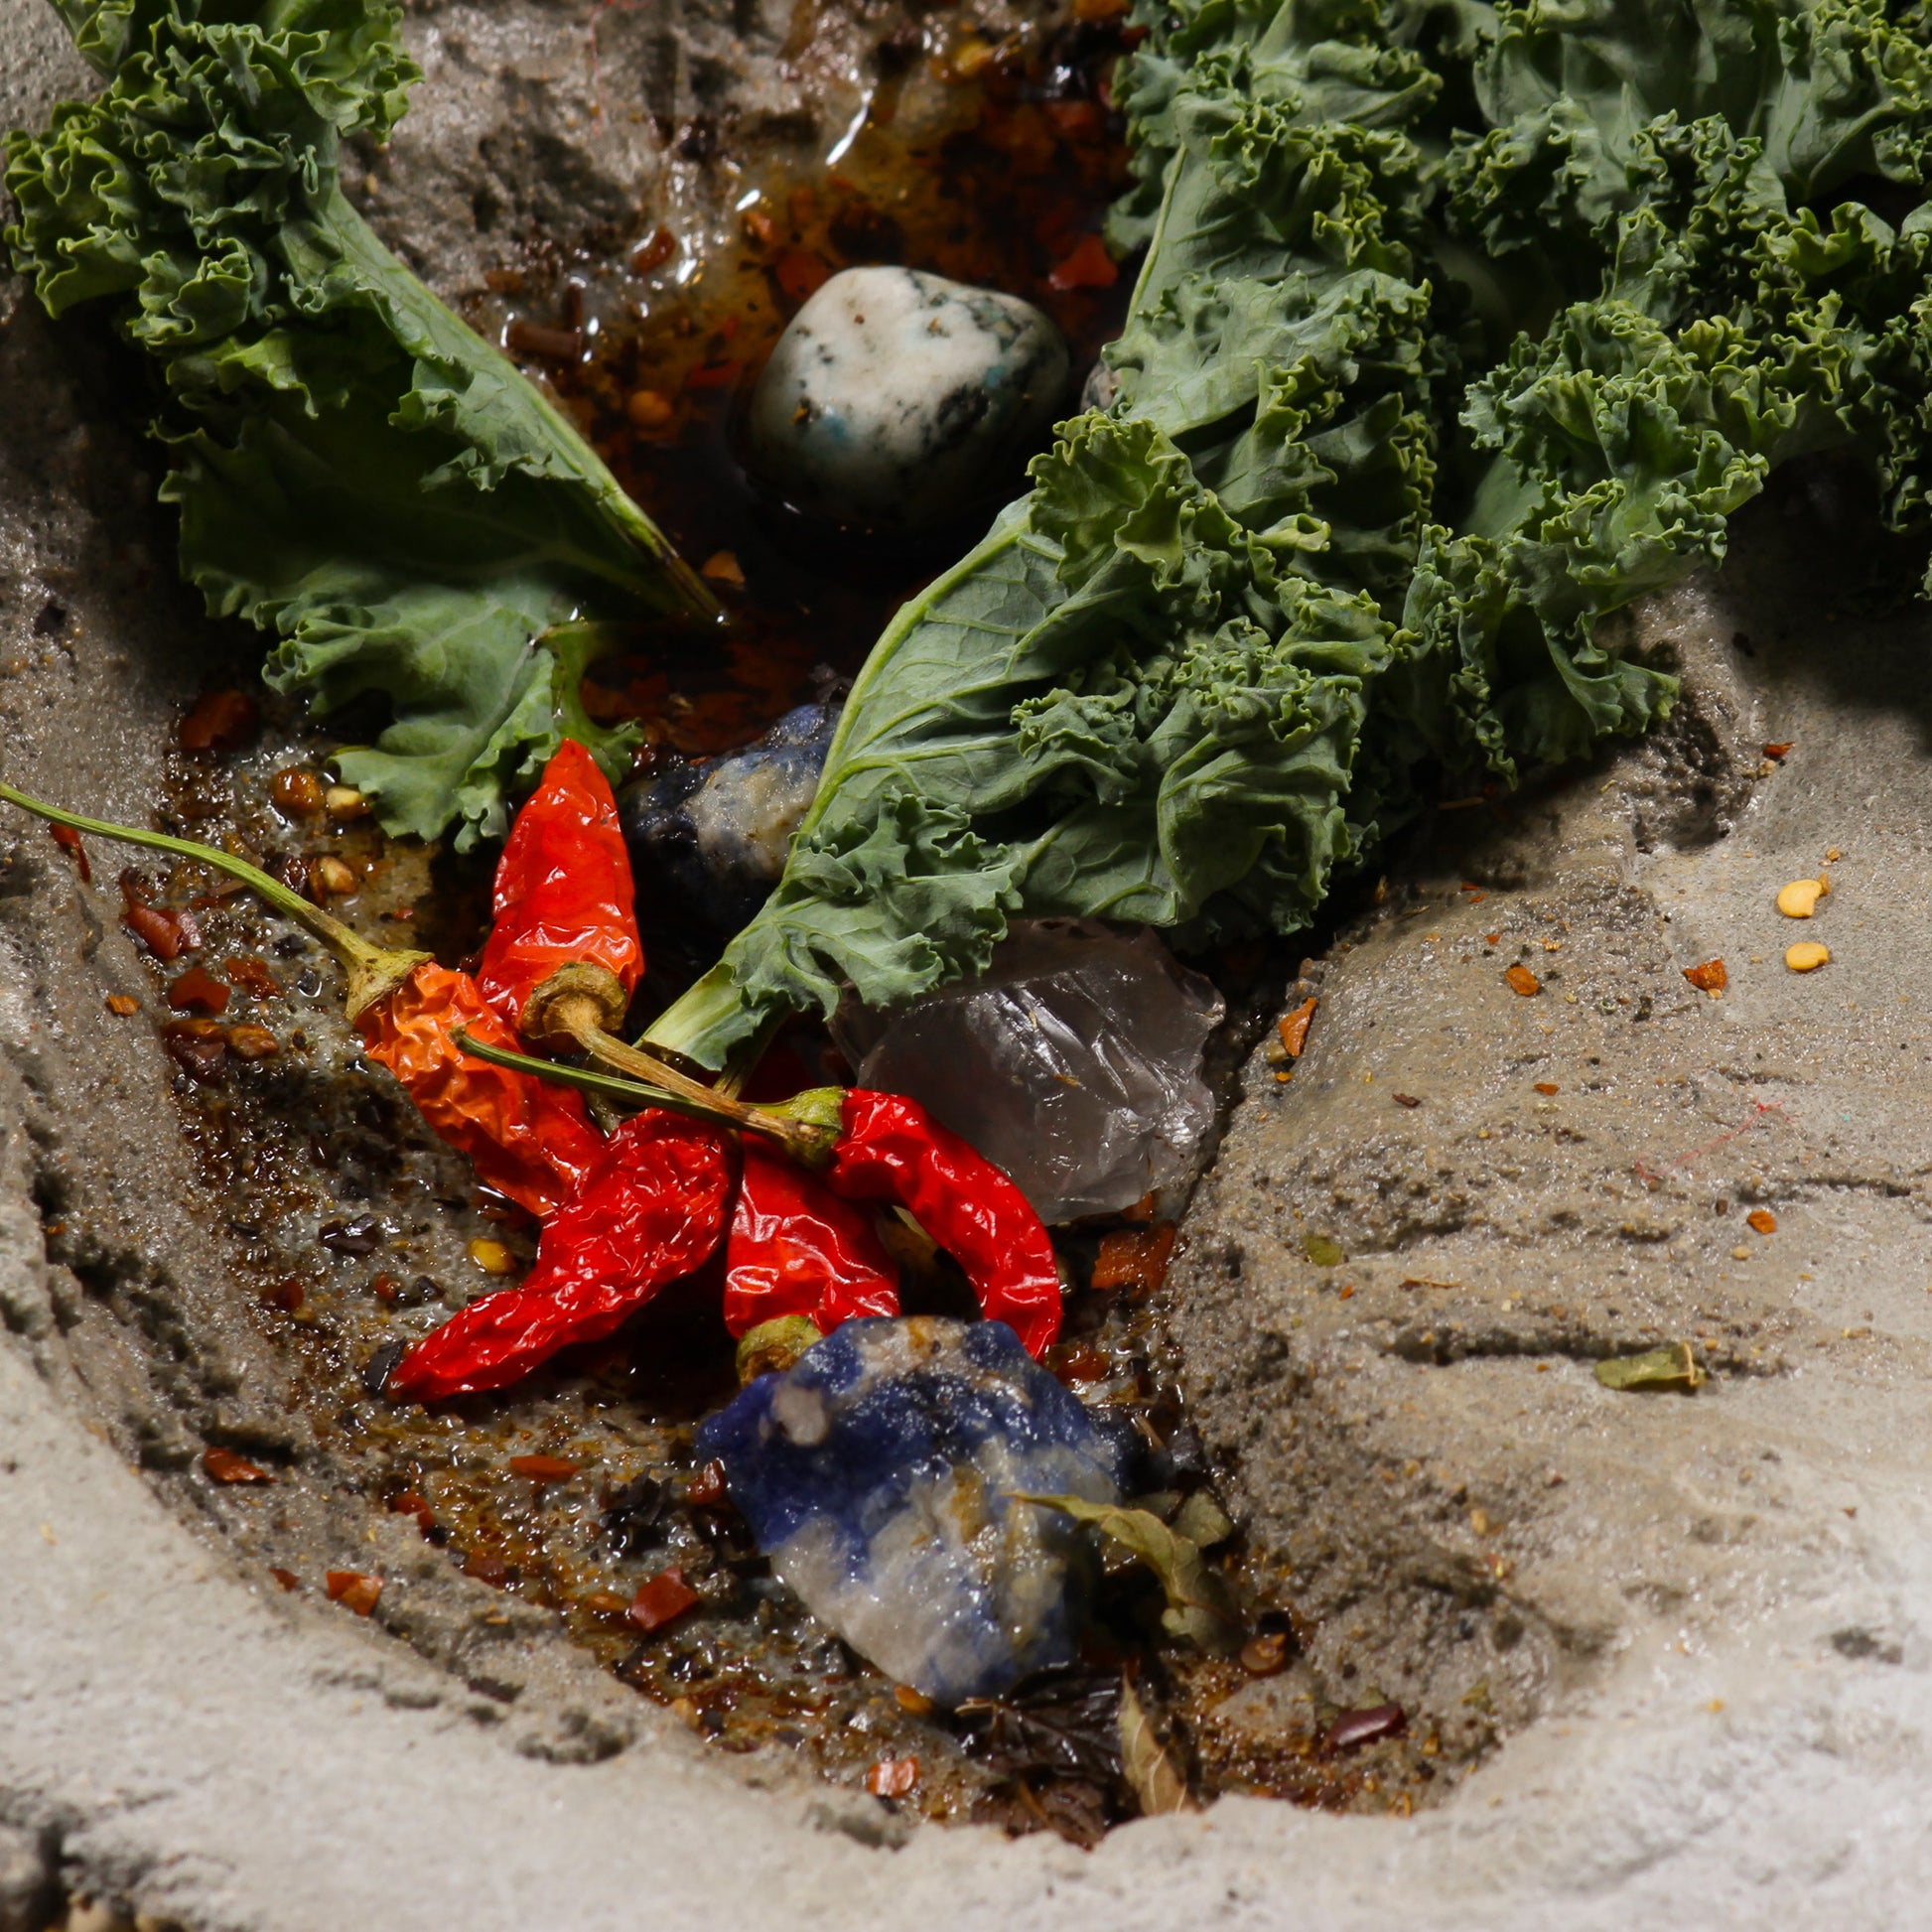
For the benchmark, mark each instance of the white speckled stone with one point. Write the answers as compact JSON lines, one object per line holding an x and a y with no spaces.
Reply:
{"x":896,"y":399}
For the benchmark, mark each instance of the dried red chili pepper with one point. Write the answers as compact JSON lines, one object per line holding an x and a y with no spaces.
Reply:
{"x":890,"y":1149}
{"x":650,"y":1210}
{"x":563,"y":893}
{"x":527,"y":1140}
{"x":796,"y":1248}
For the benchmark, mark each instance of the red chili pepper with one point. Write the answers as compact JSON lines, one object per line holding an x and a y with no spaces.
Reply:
{"x":890,"y":1149}
{"x":527,"y":1139}
{"x":563,"y":888}
{"x":796,"y":1248}
{"x":649,"y":1212}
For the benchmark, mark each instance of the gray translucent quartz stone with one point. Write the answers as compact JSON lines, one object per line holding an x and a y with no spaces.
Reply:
{"x":897,"y":399}
{"x":1073,"y":1063}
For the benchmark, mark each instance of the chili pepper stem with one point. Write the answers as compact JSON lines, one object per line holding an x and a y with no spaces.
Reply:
{"x":808,"y":1143}
{"x":373,"y":970}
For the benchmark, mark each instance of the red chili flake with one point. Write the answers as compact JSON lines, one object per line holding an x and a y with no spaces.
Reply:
{"x":223,"y":720}
{"x":653,"y":251}
{"x":800,"y":274}
{"x":1710,"y":977}
{"x":710,"y":376}
{"x":408,"y":1504}
{"x":1352,"y":1728}
{"x":1407,"y":1100}
{"x":287,"y":1579}
{"x":760,"y":226}
{"x":1134,"y":1257}
{"x":1778,"y":750}
{"x":197,"y":991}
{"x":543,"y":1469}
{"x":354,"y":1591}
{"x":254,"y":975}
{"x":492,"y":1570}
{"x":1522,"y":980}
{"x":1293,"y":1028}
{"x":65,"y":837}
{"x":224,"y":1466}
{"x":1763,"y":1220}
{"x":287,"y":1295}
{"x":552,"y":345}
{"x":708,"y":1489}
{"x":1492,"y":938}
{"x":198,"y":1048}
{"x":892,"y":1777}
{"x":164,"y":932}
{"x":1090,"y":266}
{"x":663,"y":1601}
{"x":123,"y":1004}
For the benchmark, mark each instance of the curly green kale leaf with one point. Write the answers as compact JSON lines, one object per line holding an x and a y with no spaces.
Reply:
{"x":356,"y":470}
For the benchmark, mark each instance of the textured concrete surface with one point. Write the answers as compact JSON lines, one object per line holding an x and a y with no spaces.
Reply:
{"x":1710,"y":1691}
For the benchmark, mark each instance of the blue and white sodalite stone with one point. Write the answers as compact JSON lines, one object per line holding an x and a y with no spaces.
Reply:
{"x":718,"y":831}
{"x":876,"y":1473}
{"x":897,"y":399}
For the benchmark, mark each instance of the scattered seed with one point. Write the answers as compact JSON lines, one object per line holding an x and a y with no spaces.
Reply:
{"x":297,"y":791}
{"x":330,"y":878}
{"x":1763,"y":1220}
{"x":1522,"y":980}
{"x":1741,"y":1254}
{"x":252,"y":1042}
{"x":123,"y":1004}
{"x":915,"y":1703}
{"x":1265,"y":1655}
{"x":1799,"y":900}
{"x":649,"y":409}
{"x":491,"y":1256}
{"x":1805,"y":956}
{"x":723,"y":567}
{"x":1832,"y":854}
{"x":1710,"y":977}
{"x":1353,"y":1729}
{"x":346,"y":801}
{"x":1548,"y":1086}
{"x":224,"y":1466}
{"x":354,"y":1591}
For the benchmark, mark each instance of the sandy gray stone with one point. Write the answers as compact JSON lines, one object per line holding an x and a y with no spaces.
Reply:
{"x":1712,"y":1692}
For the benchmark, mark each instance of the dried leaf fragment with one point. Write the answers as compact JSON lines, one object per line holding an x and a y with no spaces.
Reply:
{"x":1293,"y":1028}
{"x":1200,"y":1604}
{"x":1522,"y":980}
{"x":1674,"y":1367}
{"x":1322,"y":1251}
{"x":1710,"y":977}
{"x":1149,"y":1766}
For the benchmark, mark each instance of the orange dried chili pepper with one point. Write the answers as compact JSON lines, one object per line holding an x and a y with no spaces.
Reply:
{"x":528,"y":1140}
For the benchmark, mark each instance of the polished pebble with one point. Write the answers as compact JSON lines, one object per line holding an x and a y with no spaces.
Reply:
{"x":898,"y":400}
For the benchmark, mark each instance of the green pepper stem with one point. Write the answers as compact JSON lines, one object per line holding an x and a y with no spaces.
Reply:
{"x":373,"y":970}
{"x":802,"y":1141}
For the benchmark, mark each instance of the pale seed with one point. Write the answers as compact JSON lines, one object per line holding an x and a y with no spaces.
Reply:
{"x":1806,"y":957}
{"x":1799,"y":900}
{"x":491,"y":1256}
